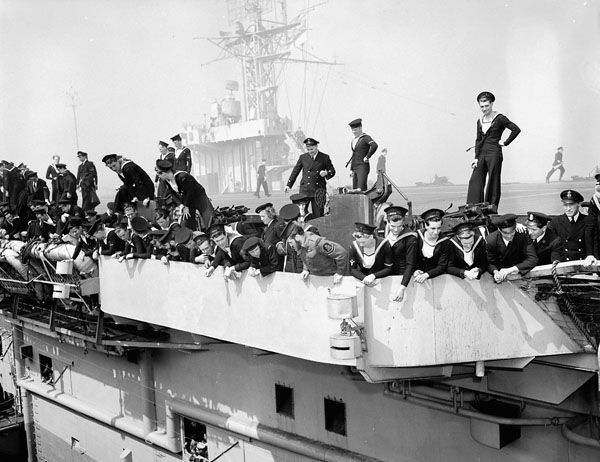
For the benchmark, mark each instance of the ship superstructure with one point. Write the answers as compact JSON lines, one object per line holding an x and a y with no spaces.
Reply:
{"x":244,"y":127}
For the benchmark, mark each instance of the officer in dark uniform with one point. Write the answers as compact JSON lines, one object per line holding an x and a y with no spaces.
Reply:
{"x":363,"y":147}
{"x":507,"y":251}
{"x":592,"y":227}
{"x":570,"y":226}
{"x":548,"y":245}
{"x":316,"y":168}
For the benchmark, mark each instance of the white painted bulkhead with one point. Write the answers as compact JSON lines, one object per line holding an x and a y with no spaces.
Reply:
{"x":230,"y":382}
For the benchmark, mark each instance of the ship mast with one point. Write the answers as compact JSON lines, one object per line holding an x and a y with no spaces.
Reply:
{"x":261,"y":44}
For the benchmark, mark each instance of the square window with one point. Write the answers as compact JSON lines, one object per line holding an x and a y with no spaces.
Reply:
{"x":46,"y":369}
{"x":335,"y":416}
{"x":284,"y":400}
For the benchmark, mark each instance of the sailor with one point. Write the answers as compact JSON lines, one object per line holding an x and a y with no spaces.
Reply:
{"x":570,"y":226}
{"x":302,"y":201}
{"x":370,"y":257}
{"x":206,"y":250}
{"x":507,"y":251}
{"x":289,"y":213}
{"x":186,"y":191}
{"x":139,"y":244}
{"x":557,"y":165}
{"x":466,"y":256}
{"x":229,"y":252}
{"x":274,"y":225}
{"x":52,"y":176}
{"x":432,"y":248}
{"x":67,"y":184}
{"x":320,"y":256}
{"x":69,"y":211}
{"x":488,"y":152}
{"x":363,"y":147}
{"x":87,"y":181}
{"x":262,"y":257}
{"x":184,"y":243}
{"x":110,"y":218}
{"x":183,"y":155}
{"x":164,"y":153}
{"x":109,"y":241}
{"x":42,"y":226}
{"x":592,"y":227}
{"x":37,"y":190}
{"x":403,"y":242}
{"x":547,"y":244}
{"x":316,"y":168}
{"x":137,"y":185}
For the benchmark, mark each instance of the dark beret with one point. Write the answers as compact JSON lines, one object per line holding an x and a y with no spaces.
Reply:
{"x":216,"y":228}
{"x":182,"y":235}
{"x":250,"y":243}
{"x":505,"y":221}
{"x":61,"y":166}
{"x":432,"y":214}
{"x":355,"y":123}
{"x":289,"y":212}
{"x":109,"y":158}
{"x":31,"y":174}
{"x":139,"y":224}
{"x":164,"y":165}
{"x":299,"y":197}
{"x":395,"y":213}
{"x":488,"y":95}
{"x":262,"y":207}
{"x":463,"y":226}
{"x":364,"y":228}
{"x":176,"y":137}
{"x":163,"y":143}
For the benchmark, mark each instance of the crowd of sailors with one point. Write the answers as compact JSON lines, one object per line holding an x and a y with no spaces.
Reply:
{"x":171,"y":218}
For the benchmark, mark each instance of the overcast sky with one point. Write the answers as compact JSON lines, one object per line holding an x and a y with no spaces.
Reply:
{"x":410,"y":69}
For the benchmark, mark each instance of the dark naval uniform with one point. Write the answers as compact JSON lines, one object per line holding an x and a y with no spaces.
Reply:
{"x":519,"y":252}
{"x":136,"y":183}
{"x":362,"y":147}
{"x":404,"y":255}
{"x":549,"y":248}
{"x":183,"y":162}
{"x":380,"y":264}
{"x":438,"y":262}
{"x":572,"y":234}
{"x":457,"y":264}
{"x":311,"y":179}
{"x":592,"y":226}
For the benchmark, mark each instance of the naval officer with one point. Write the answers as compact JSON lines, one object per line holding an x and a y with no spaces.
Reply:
{"x":363,"y":147}
{"x":547,"y":244}
{"x":316,"y":168}
{"x":570,"y":226}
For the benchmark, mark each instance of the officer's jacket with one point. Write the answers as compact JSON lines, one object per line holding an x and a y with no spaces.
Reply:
{"x":572,"y":235}
{"x":519,"y":253}
{"x":310,"y":168}
{"x":549,"y":248}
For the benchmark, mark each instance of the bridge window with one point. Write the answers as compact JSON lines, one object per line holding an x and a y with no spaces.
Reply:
{"x":335,"y":416}
{"x":284,"y":400}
